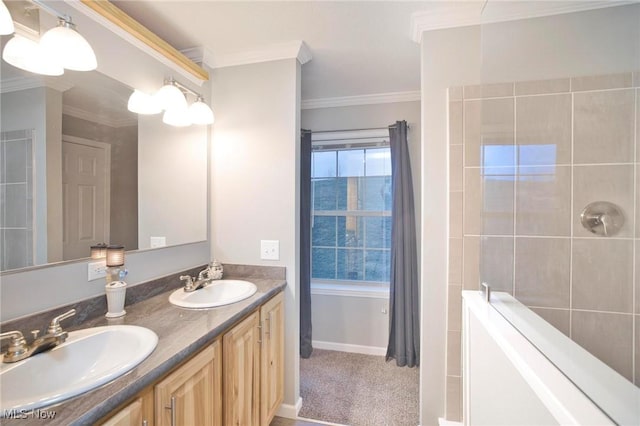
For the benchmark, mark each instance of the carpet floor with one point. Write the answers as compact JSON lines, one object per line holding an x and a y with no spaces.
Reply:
{"x":358,"y":390}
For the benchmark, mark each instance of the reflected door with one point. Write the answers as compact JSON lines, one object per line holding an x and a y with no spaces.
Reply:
{"x":85,"y":190}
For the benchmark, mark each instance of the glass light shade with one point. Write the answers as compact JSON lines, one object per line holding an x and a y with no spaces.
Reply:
{"x":6,"y":22}
{"x":178,"y":117}
{"x":142,"y":103}
{"x":115,"y":256}
{"x":170,"y":97}
{"x":200,"y":113}
{"x":28,"y":55}
{"x":99,"y":251}
{"x":71,"y":49}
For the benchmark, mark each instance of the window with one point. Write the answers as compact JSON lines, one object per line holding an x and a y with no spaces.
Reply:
{"x":351,"y":215}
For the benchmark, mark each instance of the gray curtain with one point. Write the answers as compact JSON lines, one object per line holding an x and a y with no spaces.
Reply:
{"x":305,"y":245}
{"x":404,"y":314}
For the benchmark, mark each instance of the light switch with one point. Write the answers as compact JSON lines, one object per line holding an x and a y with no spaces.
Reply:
{"x":270,"y":249}
{"x":157,"y":242}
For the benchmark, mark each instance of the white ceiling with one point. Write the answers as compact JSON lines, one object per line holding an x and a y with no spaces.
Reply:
{"x":358,"y":47}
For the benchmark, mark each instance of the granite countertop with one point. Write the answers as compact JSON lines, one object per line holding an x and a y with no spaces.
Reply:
{"x":181,"y":333}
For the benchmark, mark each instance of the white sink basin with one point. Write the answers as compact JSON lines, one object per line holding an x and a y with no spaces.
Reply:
{"x":88,"y":359}
{"x":217,"y":293}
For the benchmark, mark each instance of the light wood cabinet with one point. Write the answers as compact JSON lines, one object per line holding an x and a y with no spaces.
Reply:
{"x":191,"y":395}
{"x":138,"y":413}
{"x":271,"y":358}
{"x":241,"y":362}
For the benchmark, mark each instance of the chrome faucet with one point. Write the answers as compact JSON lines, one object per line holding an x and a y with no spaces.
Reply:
{"x":19,"y":349}
{"x":191,"y":285}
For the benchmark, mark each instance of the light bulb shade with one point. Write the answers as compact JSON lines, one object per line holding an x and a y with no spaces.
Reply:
{"x":200,"y":113}
{"x":115,"y":256}
{"x":71,"y":49}
{"x":170,"y":97}
{"x":6,"y":22}
{"x":178,"y":117}
{"x":99,"y":251}
{"x":143,"y":103}
{"x":30,"y":56}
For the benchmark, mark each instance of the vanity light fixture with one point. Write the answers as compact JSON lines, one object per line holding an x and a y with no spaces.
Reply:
{"x":72,"y":50}
{"x":172,"y":98}
{"x":6,"y":22}
{"x":58,"y":48}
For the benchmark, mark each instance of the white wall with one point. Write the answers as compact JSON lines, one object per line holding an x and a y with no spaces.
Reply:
{"x":449,"y":58}
{"x":172,"y":185}
{"x":254,"y":179}
{"x":349,"y":320}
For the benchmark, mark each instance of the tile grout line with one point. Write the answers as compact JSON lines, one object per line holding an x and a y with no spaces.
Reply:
{"x":634,"y":343}
{"x":571,"y":209}
{"x":516,"y":160}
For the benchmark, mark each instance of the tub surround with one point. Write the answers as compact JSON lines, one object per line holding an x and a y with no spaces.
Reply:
{"x":181,"y":333}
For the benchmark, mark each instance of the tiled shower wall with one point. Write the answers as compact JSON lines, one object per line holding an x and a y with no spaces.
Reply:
{"x":16,"y":199}
{"x":525,"y":159}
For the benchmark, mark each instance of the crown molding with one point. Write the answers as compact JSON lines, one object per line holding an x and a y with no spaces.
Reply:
{"x":96,"y":118}
{"x":461,"y":14}
{"x":23,"y":83}
{"x":379,"y":98}
{"x":296,"y":49}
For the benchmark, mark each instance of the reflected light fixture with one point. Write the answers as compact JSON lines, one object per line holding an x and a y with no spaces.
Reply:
{"x":6,"y":22}
{"x":200,"y":113}
{"x":26,"y":54}
{"x":99,"y":251}
{"x":69,"y":47}
{"x":143,"y":103}
{"x":172,"y":98}
{"x":115,"y":256}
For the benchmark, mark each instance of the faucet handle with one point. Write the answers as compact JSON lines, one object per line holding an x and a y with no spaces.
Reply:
{"x":188,"y":279}
{"x":54,"y":327}
{"x":17,"y":346}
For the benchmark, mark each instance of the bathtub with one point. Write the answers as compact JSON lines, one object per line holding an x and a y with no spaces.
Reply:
{"x":520,"y":370}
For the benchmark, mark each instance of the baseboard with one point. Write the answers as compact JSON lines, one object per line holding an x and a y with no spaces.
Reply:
{"x":289,"y":411}
{"x":345,"y":347}
{"x":444,"y":422}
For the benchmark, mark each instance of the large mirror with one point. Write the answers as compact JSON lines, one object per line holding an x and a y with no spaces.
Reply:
{"x":77,"y":168}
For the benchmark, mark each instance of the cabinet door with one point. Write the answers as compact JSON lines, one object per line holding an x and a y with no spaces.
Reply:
{"x":191,"y":395}
{"x":241,"y":357}
{"x":138,"y":413}
{"x":271,"y":358}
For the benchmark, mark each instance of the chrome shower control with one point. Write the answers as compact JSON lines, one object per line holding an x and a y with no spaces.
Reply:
{"x":602,"y":218}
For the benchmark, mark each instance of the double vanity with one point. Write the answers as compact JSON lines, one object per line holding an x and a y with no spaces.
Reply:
{"x":190,"y":360}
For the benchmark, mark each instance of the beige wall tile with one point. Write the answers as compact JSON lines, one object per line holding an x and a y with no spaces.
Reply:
{"x":542,"y":271}
{"x":471,"y":263}
{"x":455,"y":168}
{"x":636,"y":79}
{"x":497,"y":201}
{"x":601,"y":82}
{"x":496,"y":90}
{"x":559,"y":318}
{"x":455,"y":260}
{"x":637,"y":280}
{"x":602,"y":275}
{"x":603,"y":127}
{"x":539,"y":87}
{"x":455,"y":214}
{"x":496,"y":263}
{"x":454,"y":359}
{"x":603,"y":183}
{"x":638,"y":122}
{"x":454,"y":308}
{"x":543,"y":129}
{"x":456,"y":123}
{"x":607,"y":336}
{"x":454,"y":399}
{"x":488,"y":127}
{"x":543,"y":201}
{"x":472,"y":222}
{"x":455,"y":93}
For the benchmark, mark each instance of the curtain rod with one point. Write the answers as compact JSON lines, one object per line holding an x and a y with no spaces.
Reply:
{"x":350,"y":130}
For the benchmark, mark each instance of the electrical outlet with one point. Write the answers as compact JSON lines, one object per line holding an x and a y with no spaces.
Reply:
{"x":270,"y":249}
{"x":96,"y":270}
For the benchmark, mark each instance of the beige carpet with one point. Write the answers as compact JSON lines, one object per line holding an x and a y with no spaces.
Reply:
{"x":358,"y":390}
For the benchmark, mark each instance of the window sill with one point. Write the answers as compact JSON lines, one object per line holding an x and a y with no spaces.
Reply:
{"x":347,"y":290}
